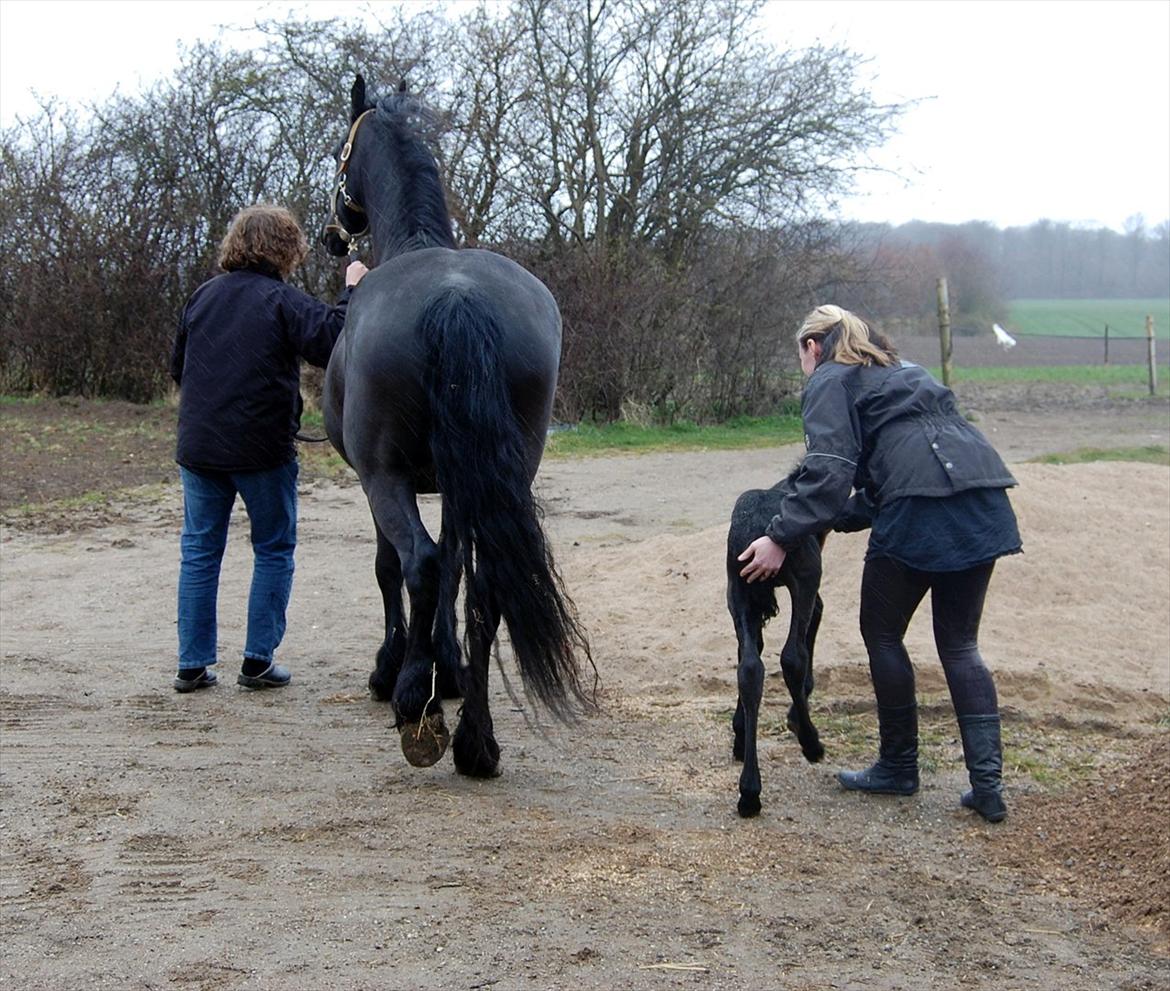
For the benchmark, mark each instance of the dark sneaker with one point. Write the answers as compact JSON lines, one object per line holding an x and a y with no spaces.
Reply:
{"x":205,"y":679}
{"x":273,"y":676}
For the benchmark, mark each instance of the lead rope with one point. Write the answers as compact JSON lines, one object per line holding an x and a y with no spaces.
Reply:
{"x":426,"y":705}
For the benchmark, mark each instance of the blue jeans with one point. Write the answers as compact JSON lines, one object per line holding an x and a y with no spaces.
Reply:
{"x":270,"y":497}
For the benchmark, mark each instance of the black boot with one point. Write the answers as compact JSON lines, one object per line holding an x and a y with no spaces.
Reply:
{"x":983,"y":753}
{"x":896,"y":770}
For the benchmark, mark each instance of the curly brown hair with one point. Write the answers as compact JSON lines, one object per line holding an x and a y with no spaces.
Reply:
{"x":266,"y":238}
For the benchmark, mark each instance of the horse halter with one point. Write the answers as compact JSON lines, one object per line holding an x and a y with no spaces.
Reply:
{"x":335,"y":225}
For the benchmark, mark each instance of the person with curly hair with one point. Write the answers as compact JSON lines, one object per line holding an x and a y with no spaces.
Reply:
{"x":236,"y":360}
{"x":933,"y":491}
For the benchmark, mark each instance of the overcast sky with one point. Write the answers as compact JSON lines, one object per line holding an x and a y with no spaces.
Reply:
{"x":1030,"y":109}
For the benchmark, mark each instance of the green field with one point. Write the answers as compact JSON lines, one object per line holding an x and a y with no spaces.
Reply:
{"x":1088,"y":317}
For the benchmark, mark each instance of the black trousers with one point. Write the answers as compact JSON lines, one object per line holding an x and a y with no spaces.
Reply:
{"x":890,"y":594}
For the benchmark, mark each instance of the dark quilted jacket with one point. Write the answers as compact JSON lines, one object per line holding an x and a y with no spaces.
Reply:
{"x":888,"y":432}
{"x":237,"y":362}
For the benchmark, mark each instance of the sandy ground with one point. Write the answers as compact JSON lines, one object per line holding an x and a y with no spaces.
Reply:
{"x":279,"y":840}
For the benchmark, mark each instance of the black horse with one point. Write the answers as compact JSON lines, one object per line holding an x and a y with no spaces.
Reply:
{"x":443,"y":380}
{"x":751,"y":606}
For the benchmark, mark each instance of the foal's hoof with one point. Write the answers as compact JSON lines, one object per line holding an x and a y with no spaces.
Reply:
{"x":749,"y":805}
{"x":424,"y":742}
{"x":814,"y":753}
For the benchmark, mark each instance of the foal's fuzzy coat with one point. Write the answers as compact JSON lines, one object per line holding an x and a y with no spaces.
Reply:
{"x":751,"y":606}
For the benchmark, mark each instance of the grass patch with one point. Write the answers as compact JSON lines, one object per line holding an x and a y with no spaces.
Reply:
{"x":30,"y":428}
{"x":1049,"y":758}
{"x":322,"y":461}
{"x":740,"y":433}
{"x":1115,"y":378}
{"x":852,"y":737}
{"x":1153,"y":454}
{"x":312,"y":422}
{"x":1088,"y":317}
{"x":69,"y":513}
{"x":319,"y":459}
{"x":585,"y":439}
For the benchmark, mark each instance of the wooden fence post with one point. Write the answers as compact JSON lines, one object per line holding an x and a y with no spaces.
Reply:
{"x":1151,"y":352}
{"x":1107,"y":344}
{"x":944,"y":331}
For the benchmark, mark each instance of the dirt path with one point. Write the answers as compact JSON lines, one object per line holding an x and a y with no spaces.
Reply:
{"x":233,"y":840}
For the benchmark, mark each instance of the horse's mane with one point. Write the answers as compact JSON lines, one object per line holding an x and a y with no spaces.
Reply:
{"x":422,"y":204}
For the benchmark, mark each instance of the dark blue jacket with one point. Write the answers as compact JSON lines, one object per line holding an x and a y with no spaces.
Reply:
{"x":237,"y":362}
{"x":888,"y":432}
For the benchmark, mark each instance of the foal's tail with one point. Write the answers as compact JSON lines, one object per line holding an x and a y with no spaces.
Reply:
{"x":481,"y":461}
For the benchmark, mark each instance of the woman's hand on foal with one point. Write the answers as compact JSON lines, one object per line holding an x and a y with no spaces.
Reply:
{"x":764,"y":559}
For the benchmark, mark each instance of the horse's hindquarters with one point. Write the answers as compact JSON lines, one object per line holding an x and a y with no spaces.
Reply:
{"x":390,"y":349}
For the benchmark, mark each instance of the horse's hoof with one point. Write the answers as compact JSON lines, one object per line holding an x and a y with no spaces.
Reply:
{"x":485,"y":769}
{"x":814,"y":754}
{"x":475,"y":757}
{"x":749,"y":805}
{"x":448,"y":686}
{"x":379,"y":689}
{"x":424,"y":742}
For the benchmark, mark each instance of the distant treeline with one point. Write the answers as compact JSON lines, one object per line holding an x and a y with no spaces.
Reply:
{"x":986,"y":267}
{"x":663,"y":169}
{"x":1057,"y":260}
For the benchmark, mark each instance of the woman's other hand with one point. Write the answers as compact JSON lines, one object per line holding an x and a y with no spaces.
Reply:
{"x":764,"y":559}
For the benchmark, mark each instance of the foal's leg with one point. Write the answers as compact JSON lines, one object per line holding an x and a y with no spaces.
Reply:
{"x":795,"y":663}
{"x":810,"y":640}
{"x":750,"y":677}
{"x":737,"y":721}
{"x":388,"y":662}
{"x":395,"y":508}
{"x":474,"y":746}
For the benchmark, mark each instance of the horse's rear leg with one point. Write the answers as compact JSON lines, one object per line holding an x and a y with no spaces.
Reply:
{"x":474,"y":746}
{"x":447,"y":653}
{"x":750,"y":678}
{"x":388,"y":662}
{"x":395,"y":508}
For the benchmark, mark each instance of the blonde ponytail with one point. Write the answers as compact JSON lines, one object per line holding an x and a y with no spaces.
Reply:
{"x":855,"y":342}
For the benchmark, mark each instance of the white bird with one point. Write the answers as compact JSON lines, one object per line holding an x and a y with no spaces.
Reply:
{"x":1006,"y":341}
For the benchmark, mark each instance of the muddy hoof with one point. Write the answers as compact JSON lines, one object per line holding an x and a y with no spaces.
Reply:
{"x":423,"y":743}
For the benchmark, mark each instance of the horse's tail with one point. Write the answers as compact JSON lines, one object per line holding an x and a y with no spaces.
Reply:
{"x":481,"y":463}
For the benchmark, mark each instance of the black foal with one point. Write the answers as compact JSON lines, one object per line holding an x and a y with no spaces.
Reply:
{"x":751,"y":606}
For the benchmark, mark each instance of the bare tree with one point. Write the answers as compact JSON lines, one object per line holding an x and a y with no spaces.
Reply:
{"x":646,"y":121}
{"x":652,"y":159}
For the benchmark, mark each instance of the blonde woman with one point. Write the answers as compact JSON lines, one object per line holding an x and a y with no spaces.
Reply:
{"x":237,"y":359}
{"x":934,"y":492}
